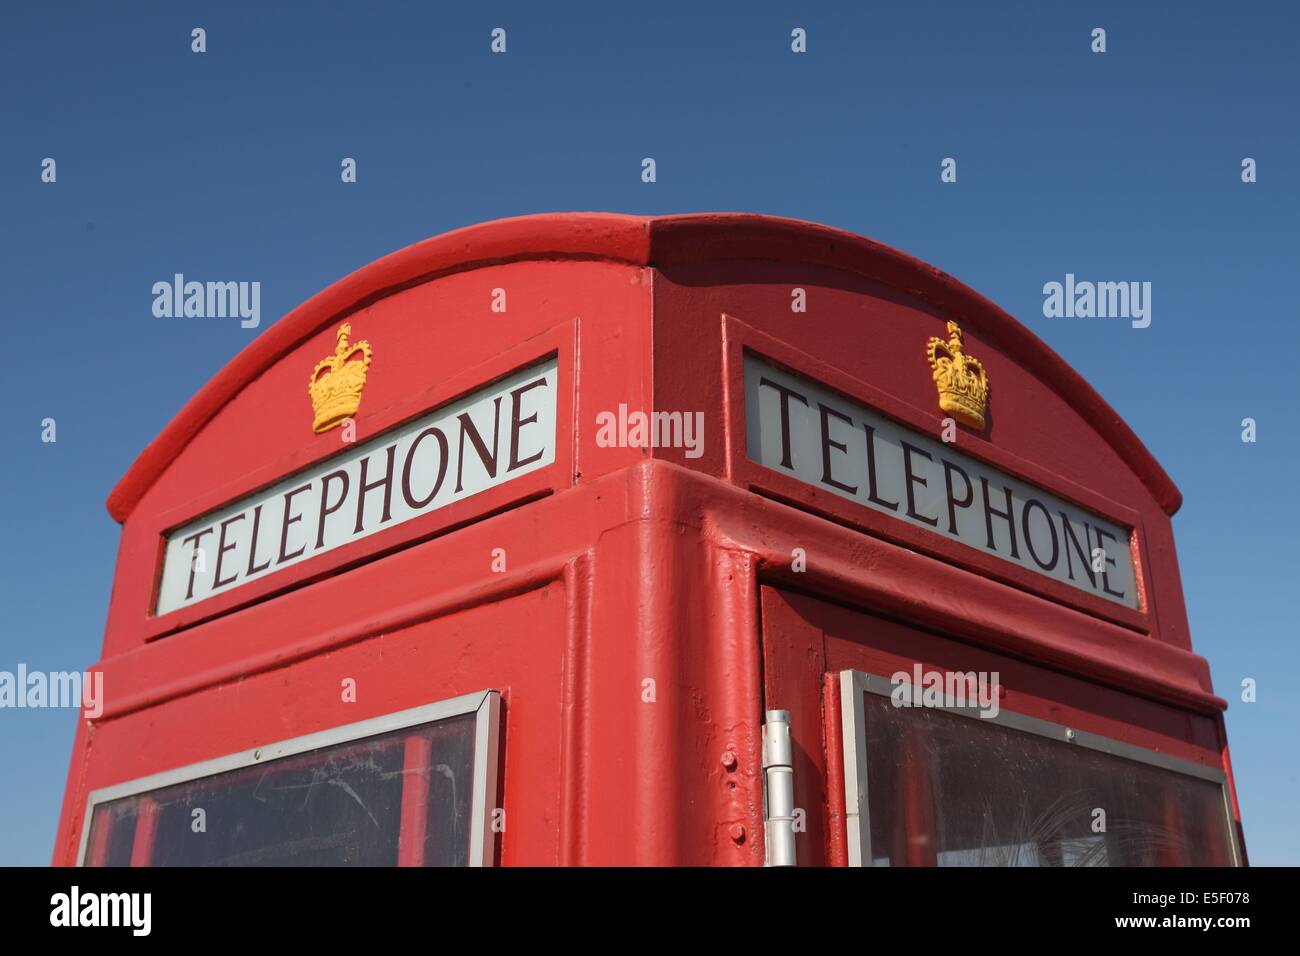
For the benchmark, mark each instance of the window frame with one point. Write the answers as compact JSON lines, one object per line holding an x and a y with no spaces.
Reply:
{"x":485,"y":704}
{"x":854,"y":684}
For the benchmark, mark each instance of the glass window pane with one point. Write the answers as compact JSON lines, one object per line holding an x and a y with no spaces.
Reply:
{"x":112,"y":834}
{"x":951,"y":790}
{"x":349,"y":804}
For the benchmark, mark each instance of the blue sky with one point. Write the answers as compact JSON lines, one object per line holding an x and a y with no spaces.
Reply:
{"x":1119,"y":166}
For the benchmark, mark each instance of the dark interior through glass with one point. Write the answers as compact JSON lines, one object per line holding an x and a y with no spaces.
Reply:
{"x":945,"y":789}
{"x":341,"y":805}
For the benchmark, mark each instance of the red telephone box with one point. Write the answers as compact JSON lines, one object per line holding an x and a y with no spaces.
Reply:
{"x":600,"y":539}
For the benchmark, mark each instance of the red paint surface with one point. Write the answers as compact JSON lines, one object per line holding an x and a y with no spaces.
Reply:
{"x":624,"y":564}
{"x":415,"y":797}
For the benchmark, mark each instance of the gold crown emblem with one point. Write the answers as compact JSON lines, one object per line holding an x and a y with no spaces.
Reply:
{"x":337,"y":381}
{"x":963,"y":384}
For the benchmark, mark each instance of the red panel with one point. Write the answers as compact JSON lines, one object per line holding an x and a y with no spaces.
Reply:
{"x":676,"y":243}
{"x":792,"y":680}
{"x":415,"y":801}
{"x":863,"y":301}
{"x":817,"y":637}
{"x":264,"y":431}
{"x":544,"y":481}
{"x":473,"y":249}
{"x":146,"y":826}
{"x":878,"y":646}
{"x":837,"y":853}
{"x":514,"y":645}
{"x":741,"y":339}
{"x":866,"y":326}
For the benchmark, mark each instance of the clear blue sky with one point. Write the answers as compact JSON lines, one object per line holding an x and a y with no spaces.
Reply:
{"x":1121,"y":166}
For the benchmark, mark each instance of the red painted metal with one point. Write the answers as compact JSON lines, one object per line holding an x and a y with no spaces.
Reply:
{"x":415,"y":797}
{"x":917,"y":802}
{"x":627,"y":565}
{"x":146,"y":824}
{"x":837,"y":853}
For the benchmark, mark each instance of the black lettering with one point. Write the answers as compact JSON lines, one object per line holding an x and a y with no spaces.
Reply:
{"x":1105,"y":575}
{"x":411,"y":500}
{"x":385,"y":482}
{"x":828,"y":444}
{"x":871,"y":472}
{"x":222,"y":548}
{"x":284,"y":530}
{"x":517,"y":423}
{"x":489,"y":459}
{"x":326,"y":509}
{"x":786,"y":394}
{"x":990,"y":511}
{"x":1029,"y":538}
{"x":908,"y":451}
{"x":1082,"y":552}
{"x":195,"y":538}
{"x":953,"y":504}
{"x":253,"y":567}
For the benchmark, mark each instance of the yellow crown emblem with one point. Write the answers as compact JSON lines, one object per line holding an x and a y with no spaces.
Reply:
{"x":337,"y":381}
{"x":963,"y":384}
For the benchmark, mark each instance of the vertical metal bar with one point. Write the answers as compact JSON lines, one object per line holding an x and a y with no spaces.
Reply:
{"x":778,"y":777}
{"x":918,"y":799}
{"x":146,"y":824}
{"x":1171,"y":849}
{"x":415,"y":800}
{"x":108,"y":822}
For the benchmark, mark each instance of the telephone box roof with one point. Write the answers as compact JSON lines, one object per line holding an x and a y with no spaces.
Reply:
{"x":642,"y":241}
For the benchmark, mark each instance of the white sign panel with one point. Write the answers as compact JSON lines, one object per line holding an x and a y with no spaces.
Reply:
{"x":481,"y":441}
{"x":801,"y":429}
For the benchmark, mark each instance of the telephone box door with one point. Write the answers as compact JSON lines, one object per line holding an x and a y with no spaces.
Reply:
{"x":912,"y":748}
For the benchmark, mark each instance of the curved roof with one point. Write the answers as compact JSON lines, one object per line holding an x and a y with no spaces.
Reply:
{"x":645,"y":241}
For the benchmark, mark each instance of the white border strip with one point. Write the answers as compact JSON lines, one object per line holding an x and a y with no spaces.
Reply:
{"x":487,"y":743}
{"x":857,"y":816}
